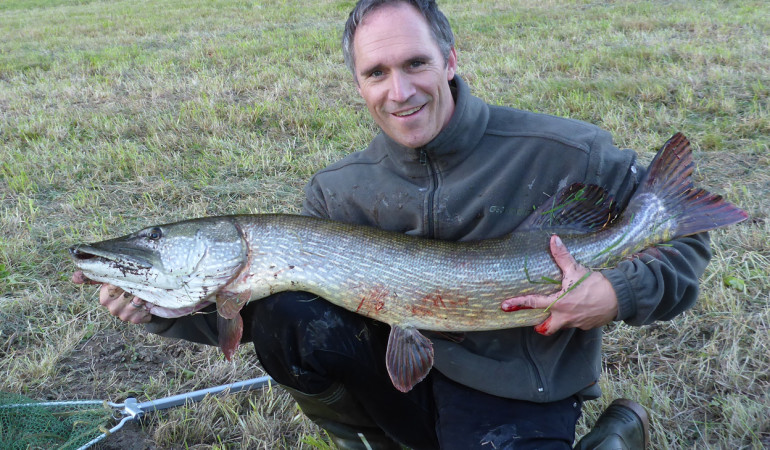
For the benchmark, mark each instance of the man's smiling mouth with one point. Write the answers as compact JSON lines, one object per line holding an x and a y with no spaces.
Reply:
{"x":408,"y":112}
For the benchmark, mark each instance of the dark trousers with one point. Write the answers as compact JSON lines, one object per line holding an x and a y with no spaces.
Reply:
{"x":309,"y":344}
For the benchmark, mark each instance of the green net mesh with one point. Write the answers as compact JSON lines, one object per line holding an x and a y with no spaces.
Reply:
{"x":29,"y":424}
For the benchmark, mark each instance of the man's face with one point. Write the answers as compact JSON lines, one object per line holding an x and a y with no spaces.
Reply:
{"x":402,"y":75}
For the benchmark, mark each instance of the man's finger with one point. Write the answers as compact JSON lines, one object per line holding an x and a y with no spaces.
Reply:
{"x":561,"y":255}
{"x":509,"y":308}
{"x":545,"y":327}
{"x":108,"y":294}
{"x":526,"y":302}
{"x":114,"y":291}
{"x":80,"y":278}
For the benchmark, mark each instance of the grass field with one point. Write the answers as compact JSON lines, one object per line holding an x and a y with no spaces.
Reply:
{"x":115,"y":115}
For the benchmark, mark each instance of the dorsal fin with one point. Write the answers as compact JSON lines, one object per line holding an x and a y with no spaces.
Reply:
{"x":578,"y":208}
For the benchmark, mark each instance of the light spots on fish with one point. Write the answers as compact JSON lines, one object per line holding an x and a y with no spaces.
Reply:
{"x":289,"y":267}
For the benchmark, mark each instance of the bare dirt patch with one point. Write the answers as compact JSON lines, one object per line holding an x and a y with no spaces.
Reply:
{"x":114,"y":365}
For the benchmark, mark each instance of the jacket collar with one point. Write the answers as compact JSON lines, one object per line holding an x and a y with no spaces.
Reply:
{"x":456,"y":141}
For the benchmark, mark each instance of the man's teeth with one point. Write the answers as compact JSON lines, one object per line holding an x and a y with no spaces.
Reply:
{"x":408,"y":112}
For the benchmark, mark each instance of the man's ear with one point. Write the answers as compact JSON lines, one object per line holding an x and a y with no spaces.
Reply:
{"x":451,"y":64}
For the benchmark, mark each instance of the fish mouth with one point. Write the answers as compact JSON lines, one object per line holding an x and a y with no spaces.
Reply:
{"x":84,"y":253}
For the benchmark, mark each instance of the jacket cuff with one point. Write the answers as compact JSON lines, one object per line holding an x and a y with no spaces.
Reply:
{"x":198,"y":328}
{"x":623,"y":292}
{"x":158,"y":325}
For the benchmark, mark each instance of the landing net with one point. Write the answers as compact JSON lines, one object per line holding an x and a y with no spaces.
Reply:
{"x":28,"y":424}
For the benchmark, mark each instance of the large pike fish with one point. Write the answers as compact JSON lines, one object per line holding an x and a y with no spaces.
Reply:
{"x":411,"y":283}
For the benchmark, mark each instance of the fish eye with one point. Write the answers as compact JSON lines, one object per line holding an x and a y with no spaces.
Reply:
{"x":154,"y":234}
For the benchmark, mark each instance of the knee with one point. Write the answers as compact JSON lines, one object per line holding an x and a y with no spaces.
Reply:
{"x":271,"y":318}
{"x":304,"y":321}
{"x":284,"y":306}
{"x":306,"y":342}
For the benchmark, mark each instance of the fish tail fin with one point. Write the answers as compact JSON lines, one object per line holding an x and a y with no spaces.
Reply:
{"x":669,"y":178}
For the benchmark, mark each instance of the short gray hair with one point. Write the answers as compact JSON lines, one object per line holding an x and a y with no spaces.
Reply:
{"x":438,"y":23}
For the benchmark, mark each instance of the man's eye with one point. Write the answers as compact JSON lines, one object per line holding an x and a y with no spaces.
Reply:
{"x":376,"y":74}
{"x":416,"y":64}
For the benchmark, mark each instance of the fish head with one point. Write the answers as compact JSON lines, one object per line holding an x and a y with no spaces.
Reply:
{"x":174,"y":267}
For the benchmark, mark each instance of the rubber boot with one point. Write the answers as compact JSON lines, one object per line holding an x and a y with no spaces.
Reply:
{"x":342,"y":416}
{"x":624,"y":425}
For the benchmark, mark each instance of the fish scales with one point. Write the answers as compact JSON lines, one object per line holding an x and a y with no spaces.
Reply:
{"x":454,"y":285}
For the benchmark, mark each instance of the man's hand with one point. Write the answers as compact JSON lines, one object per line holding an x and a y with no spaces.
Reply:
{"x":121,"y":304}
{"x":586,"y":299}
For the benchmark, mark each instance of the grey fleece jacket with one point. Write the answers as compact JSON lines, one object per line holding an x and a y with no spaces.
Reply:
{"x":478,"y":179}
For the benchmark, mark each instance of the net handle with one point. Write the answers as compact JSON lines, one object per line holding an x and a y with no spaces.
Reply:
{"x":132,"y":410}
{"x":196,"y":396}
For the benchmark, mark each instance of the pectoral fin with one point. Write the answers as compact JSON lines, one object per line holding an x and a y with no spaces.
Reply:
{"x":230,"y":332}
{"x":229,"y":321}
{"x":229,"y":304}
{"x":409,"y":357}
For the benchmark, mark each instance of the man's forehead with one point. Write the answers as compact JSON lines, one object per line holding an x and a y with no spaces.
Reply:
{"x":397,"y":31}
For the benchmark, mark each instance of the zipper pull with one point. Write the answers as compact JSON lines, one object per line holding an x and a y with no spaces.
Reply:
{"x":423,"y":158}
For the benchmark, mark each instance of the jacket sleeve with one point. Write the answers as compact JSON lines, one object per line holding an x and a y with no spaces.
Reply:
{"x":314,"y":204}
{"x":200,"y":327}
{"x":661,"y":282}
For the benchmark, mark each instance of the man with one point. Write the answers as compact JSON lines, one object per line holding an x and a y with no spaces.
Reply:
{"x":449,"y":166}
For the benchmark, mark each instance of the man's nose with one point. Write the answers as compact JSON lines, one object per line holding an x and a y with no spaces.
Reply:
{"x":401,"y":87}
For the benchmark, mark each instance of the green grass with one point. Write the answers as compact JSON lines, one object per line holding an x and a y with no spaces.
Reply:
{"x":116,"y":115}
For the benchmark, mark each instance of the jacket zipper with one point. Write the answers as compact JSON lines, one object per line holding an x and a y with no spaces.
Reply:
{"x":425,"y":161}
{"x":531,"y":360}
